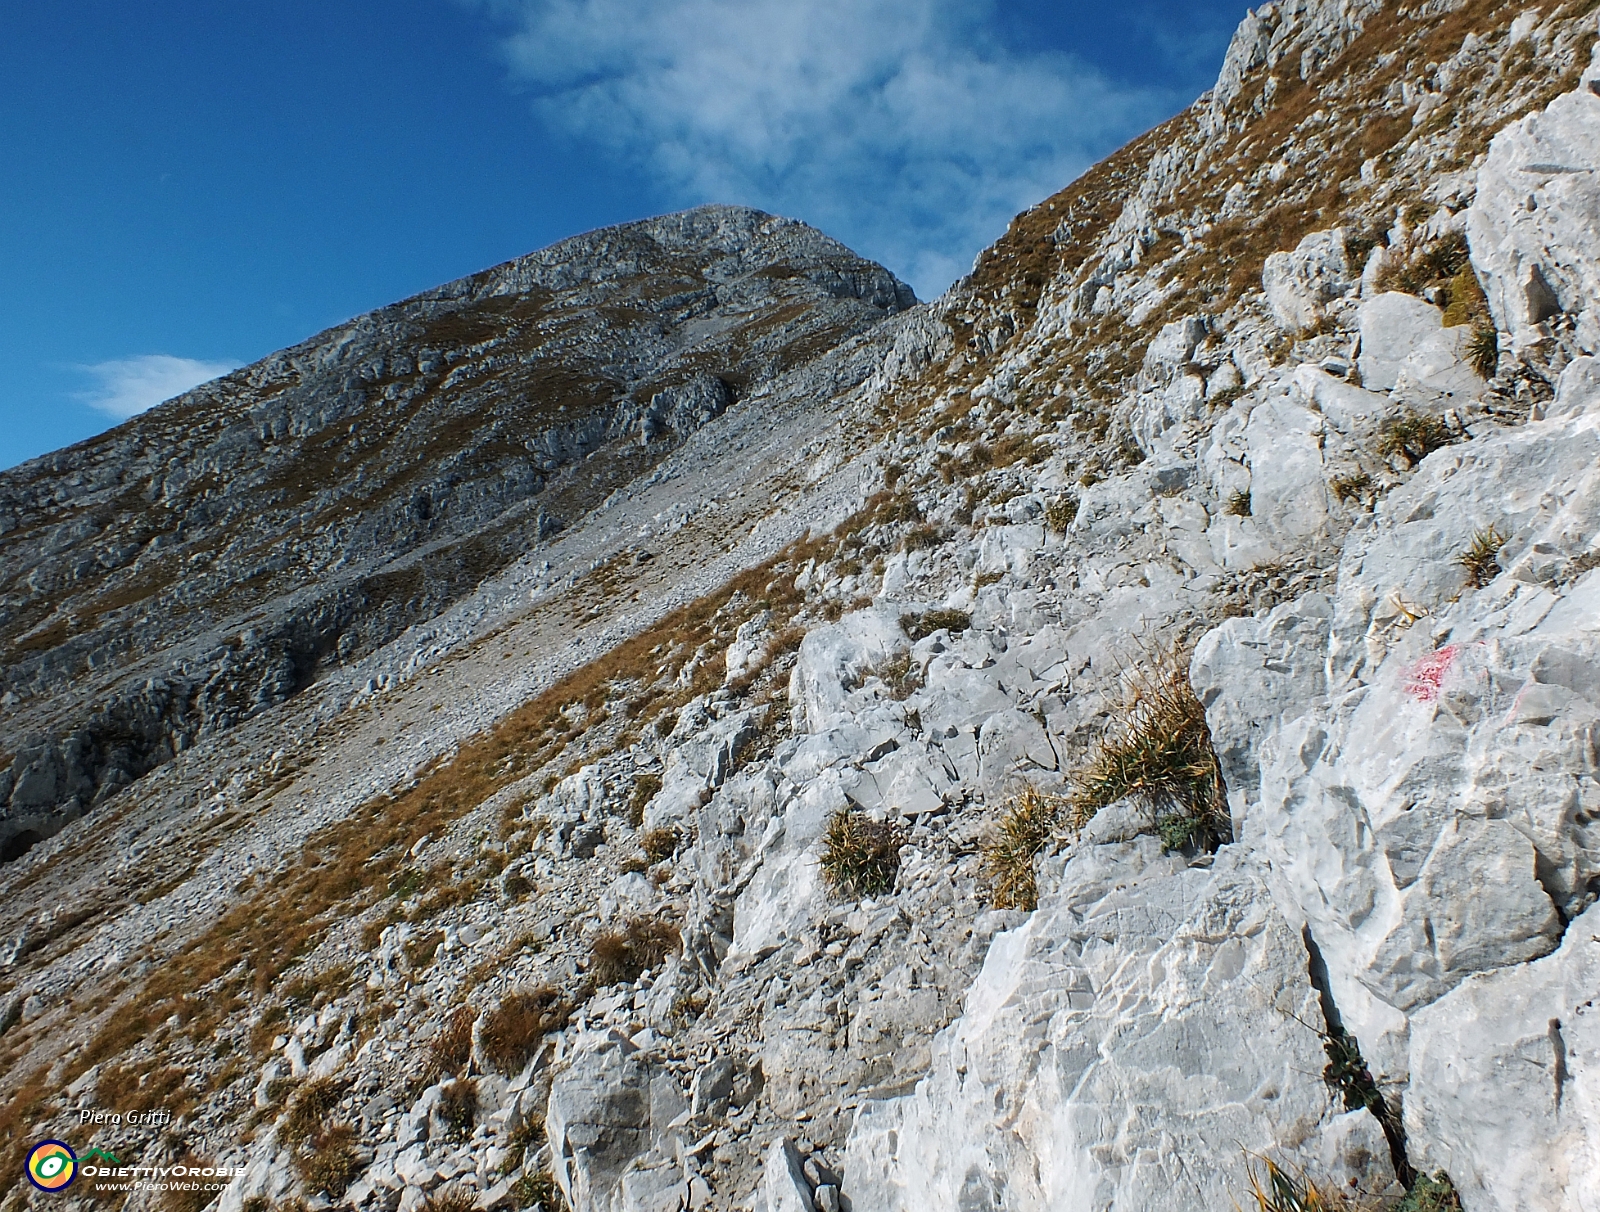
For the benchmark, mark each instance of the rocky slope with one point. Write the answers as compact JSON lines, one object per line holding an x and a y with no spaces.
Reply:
{"x":217,"y":555}
{"x":1072,"y":743}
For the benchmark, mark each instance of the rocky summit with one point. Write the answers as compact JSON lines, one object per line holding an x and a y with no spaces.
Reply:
{"x":674,"y":723}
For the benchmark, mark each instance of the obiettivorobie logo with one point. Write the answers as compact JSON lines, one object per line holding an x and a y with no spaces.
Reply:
{"x":52,"y":1165}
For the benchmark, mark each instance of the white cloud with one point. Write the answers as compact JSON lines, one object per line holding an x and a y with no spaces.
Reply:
{"x":899,"y":126}
{"x":127,"y":386}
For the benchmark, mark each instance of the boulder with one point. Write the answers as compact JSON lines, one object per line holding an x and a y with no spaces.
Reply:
{"x":608,"y":1109}
{"x":1404,"y":344}
{"x":1288,"y":491}
{"x":783,"y":1181}
{"x":1299,"y":284}
{"x":1534,"y":226}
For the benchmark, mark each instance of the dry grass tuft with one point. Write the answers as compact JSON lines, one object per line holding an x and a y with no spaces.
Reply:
{"x":919,"y":625}
{"x":644,"y":790}
{"x":452,"y":1047}
{"x":533,"y":1189}
{"x":901,"y":675}
{"x":451,"y":1199}
{"x":1482,"y":560}
{"x":332,"y":1162}
{"x":921,"y":538}
{"x":1413,"y":436}
{"x":620,"y":956}
{"x":860,"y":856}
{"x":188,"y":1195}
{"x":660,"y":844}
{"x":1354,"y":487}
{"x":458,"y":1105}
{"x":1483,"y":350}
{"x":1158,"y":752}
{"x":1027,"y":829}
{"x":513,"y":1030}
{"x":308,"y":1111}
{"x":1059,"y":512}
{"x":1280,"y":1191}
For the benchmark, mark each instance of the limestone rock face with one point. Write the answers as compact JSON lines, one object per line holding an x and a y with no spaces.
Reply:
{"x":1147,"y":1013}
{"x":1253,"y":675}
{"x":1454,"y":752}
{"x":608,"y":1106}
{"x":1535,"y":222}
{"x":1524,"y":1038}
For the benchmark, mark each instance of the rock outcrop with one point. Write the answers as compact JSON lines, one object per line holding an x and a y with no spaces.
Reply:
{"x":1536,"y":217}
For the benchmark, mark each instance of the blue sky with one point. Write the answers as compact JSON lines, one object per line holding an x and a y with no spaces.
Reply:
{"x":187,"y":187}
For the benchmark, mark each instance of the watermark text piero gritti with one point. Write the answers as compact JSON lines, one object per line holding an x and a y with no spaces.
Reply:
{"x":150,"y":1119}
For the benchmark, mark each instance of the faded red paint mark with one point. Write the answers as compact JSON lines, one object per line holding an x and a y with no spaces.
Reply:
{"x":1422,"y":680}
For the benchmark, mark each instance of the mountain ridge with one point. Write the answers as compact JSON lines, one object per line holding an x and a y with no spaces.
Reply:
{"x":353,"y":442}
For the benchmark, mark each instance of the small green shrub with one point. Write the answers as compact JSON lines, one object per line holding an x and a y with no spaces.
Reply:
{"x":660,"y":844}
{"x":1413,"y":436}
{"x":1467,"y":302}
{"x":619,"y":956}
{"x":458,"y":1105}
{"x":1059,"y":512}
{"x":917,"y":626}
{"x":1238,"y":503}
{"x":530,"y":1134}
{"x":406,"y":883}
{"x":1481,"y":560}
{"x":452,"y":1047}
{"x":513,"y":1030}
{"x":531,"y":1189}
{"x":1436,"y":1194}
{"x":1158,"y":752}
{"x":860,"y":856}
{"x":1347,"y":1075}
{"x":1028,"y":827}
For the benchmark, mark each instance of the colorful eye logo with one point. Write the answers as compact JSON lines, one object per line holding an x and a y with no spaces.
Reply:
{"x":52,"y":1166}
